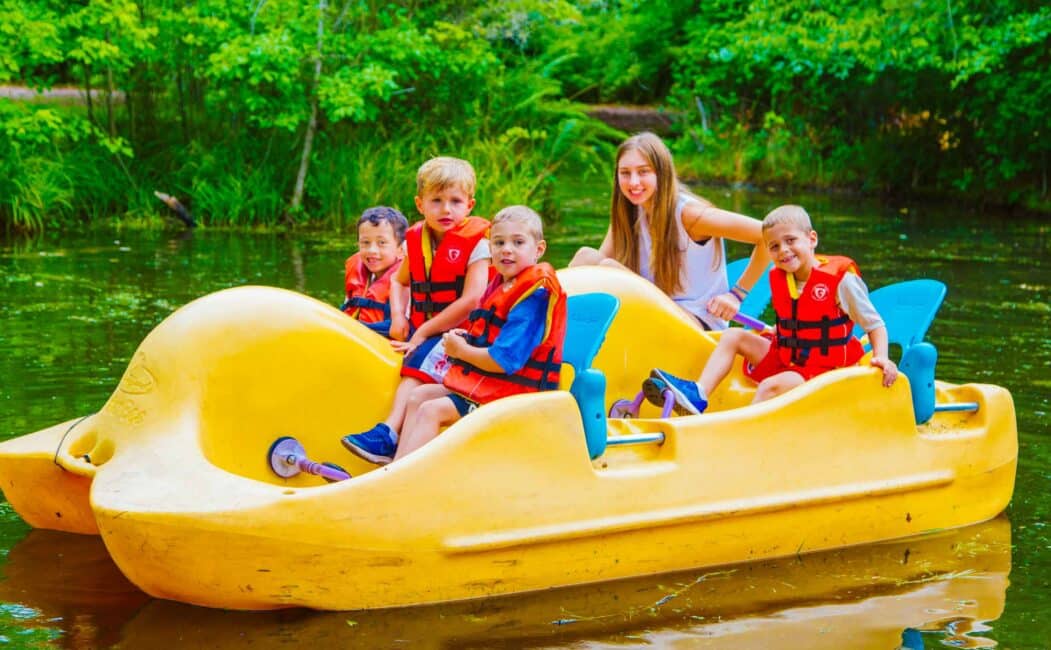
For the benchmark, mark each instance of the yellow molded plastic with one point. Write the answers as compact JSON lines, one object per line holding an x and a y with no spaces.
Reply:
{"x":505,"y":500}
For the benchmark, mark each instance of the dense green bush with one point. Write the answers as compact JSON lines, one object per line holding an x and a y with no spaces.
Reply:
{"x":231,"y":104}
{"x":291,"y":111}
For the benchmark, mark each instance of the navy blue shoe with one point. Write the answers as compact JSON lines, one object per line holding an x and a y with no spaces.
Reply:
{"x":688,"y":399}
{"x":375,"y":445}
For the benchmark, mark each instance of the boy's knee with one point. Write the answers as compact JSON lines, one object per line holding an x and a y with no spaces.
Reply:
{"x":776,"y":385}
{"x":416,"y":399}
{"x":735,"y":339}
{"x":433,"y":408}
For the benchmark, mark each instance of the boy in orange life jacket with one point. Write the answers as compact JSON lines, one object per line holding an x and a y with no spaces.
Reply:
{"x":381,"y":232}
{"x":817,"y":300}
{"x":512,"y":344}
{"x":444,"y":274}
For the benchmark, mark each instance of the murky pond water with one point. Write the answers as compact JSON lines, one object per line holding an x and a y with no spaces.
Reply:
{"x":76,"y":305}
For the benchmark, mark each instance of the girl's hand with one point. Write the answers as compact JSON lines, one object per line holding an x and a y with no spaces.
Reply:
{"x":890,"y":370}
{"x":408,"y":346}
{"x":724,"y":306}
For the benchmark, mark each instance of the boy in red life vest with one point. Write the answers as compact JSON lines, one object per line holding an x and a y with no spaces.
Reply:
{"x":512,"y":343}
{"x":817,"y":300}
{"x":444,"y":274}
{"x":381,"y":232}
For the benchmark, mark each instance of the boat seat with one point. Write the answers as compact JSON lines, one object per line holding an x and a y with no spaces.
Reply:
{"x":759,"y":297}
{"x":588,"y":317}
{"x":908,"y":309}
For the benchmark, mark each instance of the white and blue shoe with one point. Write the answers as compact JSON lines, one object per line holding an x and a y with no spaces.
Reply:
{"x":688,"y":397}
{"x":377,"y":445}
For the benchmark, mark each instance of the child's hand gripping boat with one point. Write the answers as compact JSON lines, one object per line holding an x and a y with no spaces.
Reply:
{"x":522,"y":494}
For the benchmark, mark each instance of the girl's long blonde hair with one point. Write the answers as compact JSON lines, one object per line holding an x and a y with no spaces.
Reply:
{"x":666,"y":255}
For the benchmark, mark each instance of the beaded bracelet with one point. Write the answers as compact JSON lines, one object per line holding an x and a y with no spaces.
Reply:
{"x":739,"y":293}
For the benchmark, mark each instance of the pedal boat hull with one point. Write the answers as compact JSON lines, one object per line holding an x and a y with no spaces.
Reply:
{"x":506,"y":500}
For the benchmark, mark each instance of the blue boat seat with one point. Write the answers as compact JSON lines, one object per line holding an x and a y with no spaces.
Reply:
{"x":588,"y":317}
{"x":759,"y":297}
{"x":908,"y":308}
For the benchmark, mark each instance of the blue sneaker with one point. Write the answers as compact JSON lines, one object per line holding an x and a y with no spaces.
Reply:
{"x":375,"y":445}
{"x":688,"y":399}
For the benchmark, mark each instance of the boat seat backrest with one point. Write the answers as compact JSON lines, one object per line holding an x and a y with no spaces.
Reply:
{"x":908,"y":308}
{"x":759,"y":297}
{"x":588,"y":317}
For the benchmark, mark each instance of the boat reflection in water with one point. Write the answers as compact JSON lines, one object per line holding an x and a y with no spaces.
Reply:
{"x":947,"y":585}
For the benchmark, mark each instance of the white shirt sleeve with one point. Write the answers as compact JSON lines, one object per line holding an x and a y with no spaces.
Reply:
{"x":853,"y":298}
{"x":480,"y":252}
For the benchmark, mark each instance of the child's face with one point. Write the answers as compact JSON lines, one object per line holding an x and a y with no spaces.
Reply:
{"x":378,"y":246}
{"x":636,"y":177}
{"x":791,"y":248}
{"x":444,"y":209}
{"x":513,"y":248}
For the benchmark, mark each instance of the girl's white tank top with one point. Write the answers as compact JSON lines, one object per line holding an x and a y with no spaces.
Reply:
{"x":702,"y":278}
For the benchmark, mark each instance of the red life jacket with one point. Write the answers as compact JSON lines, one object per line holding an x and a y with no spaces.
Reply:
{"x":368,"y":302}
{"x":541,"y":372}
{"x":437,"y":276}
{"x":812,"y":330}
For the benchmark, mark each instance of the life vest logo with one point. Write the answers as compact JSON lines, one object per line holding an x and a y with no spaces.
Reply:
{"x":820,"y":291}
{"x":454,"y":254}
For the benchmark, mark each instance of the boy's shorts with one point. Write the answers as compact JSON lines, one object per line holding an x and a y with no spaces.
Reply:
{"x":427,"y":362}
{"x":771,"y":365}
{"x":462,"y":404}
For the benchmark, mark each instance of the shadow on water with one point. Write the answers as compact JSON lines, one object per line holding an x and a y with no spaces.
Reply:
{"x":941,"y":589}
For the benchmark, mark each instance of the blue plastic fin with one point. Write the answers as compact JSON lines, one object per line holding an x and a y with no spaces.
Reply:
{"x":918,"y":364}
{"x":588,"y":317}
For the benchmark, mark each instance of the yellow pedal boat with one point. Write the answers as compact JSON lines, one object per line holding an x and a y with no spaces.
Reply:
{"x":521,"y":495}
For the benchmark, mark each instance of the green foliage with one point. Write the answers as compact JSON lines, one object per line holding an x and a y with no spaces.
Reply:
{"x":214,"y":100}
{"x":900,"y":94}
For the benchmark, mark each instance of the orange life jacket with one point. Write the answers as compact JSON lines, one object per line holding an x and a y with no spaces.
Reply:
{"x":811,"y":329}
{"x":367,"y":301}
{"x":437,"y":275}
{"x":541,"y":371}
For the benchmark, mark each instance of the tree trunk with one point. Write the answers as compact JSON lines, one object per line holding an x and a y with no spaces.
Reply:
{"x":182,"y":104}
{"x":308,"y":138}
{"x":109,"y":98}
{"x":87,"y":89}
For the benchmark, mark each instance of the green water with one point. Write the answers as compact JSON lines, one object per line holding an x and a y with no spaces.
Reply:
{"x":76,"y":305}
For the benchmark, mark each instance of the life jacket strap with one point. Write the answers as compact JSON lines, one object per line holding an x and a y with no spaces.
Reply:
{"x":367,"y":303}
{"x":426,"y":286}
{"x":543,"y":383}
{"x":802,"y":344}
{"x":796,"y":324}
{"x":429,"y":306}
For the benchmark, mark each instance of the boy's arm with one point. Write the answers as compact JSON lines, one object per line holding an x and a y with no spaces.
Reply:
{"x":523,"y":331}
{"x":474,"y":284}
{"x":399,"y":326}
{"x":457,"y":346}
{"x":878,"y":339}
{"x":853,"y":298}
